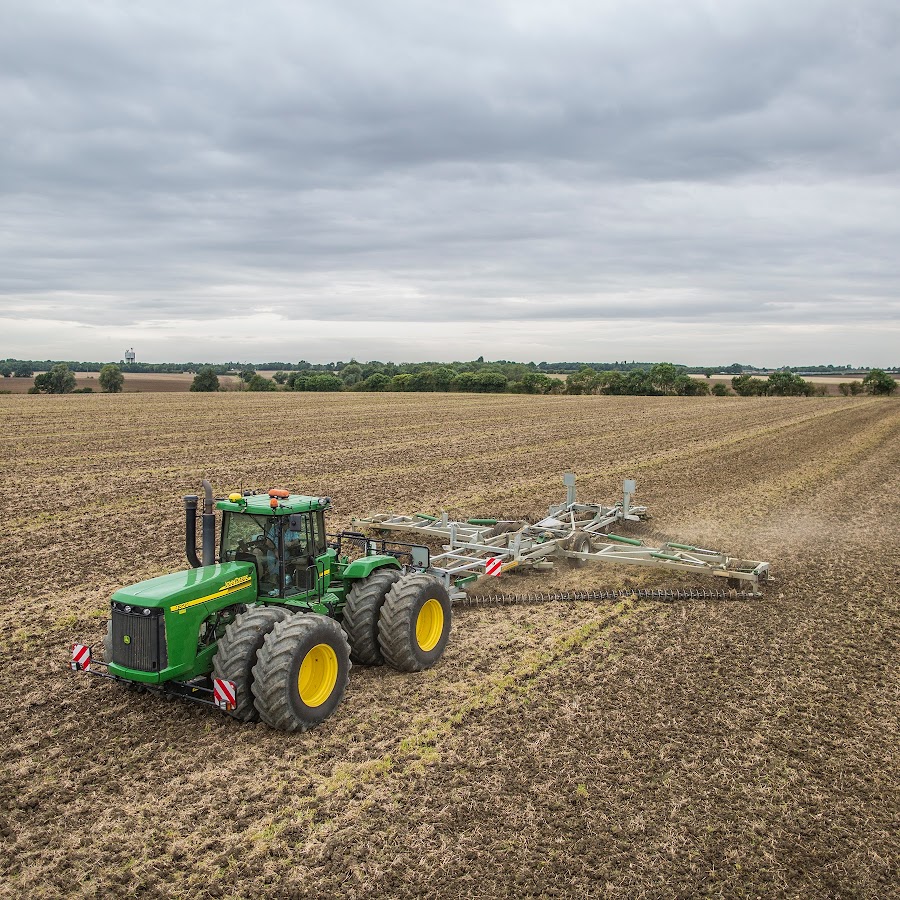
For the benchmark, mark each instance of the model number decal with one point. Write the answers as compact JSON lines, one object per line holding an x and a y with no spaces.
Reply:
{"x":228,"y":588}
{"x":243,"y":579}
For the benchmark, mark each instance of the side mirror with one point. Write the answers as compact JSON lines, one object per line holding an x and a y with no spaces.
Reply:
{"x":296,"y":522}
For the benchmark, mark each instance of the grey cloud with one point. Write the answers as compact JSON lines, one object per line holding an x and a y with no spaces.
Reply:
{"x":436,"y":162}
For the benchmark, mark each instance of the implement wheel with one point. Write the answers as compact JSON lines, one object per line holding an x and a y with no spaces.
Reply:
{"x":236,"y":655}
{"x":414,"y":625}
{"x":361,"y":611}
{"x":581,"y":543}
{"x":301,"y":672}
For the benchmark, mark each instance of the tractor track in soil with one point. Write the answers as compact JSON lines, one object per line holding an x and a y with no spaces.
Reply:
{"x":668,"y":750}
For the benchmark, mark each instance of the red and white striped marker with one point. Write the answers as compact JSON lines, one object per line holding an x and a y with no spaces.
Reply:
{"x":493,"y":566}
{"x":224,"y":694}
{"x":81,"y":657}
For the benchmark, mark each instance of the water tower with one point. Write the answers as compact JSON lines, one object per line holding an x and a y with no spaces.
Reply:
{"x":129,"y":355}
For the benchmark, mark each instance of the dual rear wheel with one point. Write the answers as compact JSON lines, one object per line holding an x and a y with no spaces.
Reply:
{"x":403,"y":621}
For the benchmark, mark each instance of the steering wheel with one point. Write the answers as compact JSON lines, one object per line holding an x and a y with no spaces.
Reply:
{"x":264,"y":542}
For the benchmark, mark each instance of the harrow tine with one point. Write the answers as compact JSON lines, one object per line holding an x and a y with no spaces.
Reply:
{"x":662,"y":596}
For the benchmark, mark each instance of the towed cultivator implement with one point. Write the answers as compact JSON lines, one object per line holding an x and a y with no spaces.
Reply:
{"x":575,"y":532}
{"x":270,"y":616}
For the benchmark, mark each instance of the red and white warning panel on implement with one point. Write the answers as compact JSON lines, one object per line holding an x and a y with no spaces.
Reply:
{"x":224,"y":694}
{"x":81,"y":657}
{"x":493,"y":566}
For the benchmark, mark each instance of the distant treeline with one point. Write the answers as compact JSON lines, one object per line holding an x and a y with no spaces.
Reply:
{"x":513,"y":370}
{"x":660,"y":379}
{"x":478,"y":376}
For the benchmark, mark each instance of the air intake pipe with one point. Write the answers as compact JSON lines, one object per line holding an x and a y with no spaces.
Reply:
{"x":190,"y":529}
{"x":208,"y":550}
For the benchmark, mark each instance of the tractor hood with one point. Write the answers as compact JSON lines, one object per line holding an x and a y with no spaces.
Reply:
{"x":192,"y":587}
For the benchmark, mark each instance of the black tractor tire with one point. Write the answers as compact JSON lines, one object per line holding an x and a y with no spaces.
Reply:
{"x":301,"y":672}
{"x":414,"y":625}
{"x":236,"y":655}
{"x":361,"y":611}
{"x":580,"y":543}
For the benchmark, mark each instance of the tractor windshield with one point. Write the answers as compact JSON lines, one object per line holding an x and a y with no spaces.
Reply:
{"x":254,"y":539}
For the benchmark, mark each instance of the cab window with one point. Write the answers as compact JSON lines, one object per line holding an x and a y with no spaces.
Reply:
{"x":254,"y":539}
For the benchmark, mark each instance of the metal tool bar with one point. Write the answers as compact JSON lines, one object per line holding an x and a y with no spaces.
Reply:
{"x":573,"y":530}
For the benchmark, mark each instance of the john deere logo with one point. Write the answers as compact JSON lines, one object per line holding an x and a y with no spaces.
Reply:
{"x":127,"y":639}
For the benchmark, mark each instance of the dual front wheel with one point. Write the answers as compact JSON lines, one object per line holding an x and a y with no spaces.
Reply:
{"x":291,"y":669}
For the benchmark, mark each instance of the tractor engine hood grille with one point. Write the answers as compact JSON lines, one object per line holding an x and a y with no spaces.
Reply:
{"x":139,"y":638}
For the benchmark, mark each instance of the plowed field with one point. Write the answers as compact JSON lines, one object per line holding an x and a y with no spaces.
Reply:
{"x":630,"y":750}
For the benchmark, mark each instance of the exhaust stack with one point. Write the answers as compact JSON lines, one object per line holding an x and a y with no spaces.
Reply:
{"x":209,"y":526}
{"x":208,"y":550}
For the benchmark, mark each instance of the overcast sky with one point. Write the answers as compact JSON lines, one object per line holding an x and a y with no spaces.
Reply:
{"x":702,"y":181}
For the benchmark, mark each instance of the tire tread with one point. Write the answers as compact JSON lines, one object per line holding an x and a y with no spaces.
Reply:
{"x":236,"y":654}
{"x":274,"y":663}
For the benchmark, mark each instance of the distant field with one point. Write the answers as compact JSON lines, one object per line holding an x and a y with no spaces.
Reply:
{"x":143,"y":382}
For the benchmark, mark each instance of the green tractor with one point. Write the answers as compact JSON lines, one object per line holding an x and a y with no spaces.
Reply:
{"x":268,"y":631}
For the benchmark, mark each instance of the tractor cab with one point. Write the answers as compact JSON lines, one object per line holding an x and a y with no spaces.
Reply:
{"x":283,"y":535}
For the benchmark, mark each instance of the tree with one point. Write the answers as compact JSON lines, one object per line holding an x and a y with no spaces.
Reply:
{"x":111,"y":379}
{"x":280,"y":377}
{"x":259,"y":383}
{"x":6,"y":370}
{"x":788,"y":384}
{"x":59,"y":380}
{"x":720,"y":390}
{"x":322,"y":382}
{"x":375,"y":382}
{"x":536,"y":383}
{"x":880,"y":383}
{"x":662,"y":377}
{"x":442,"y":376}
{"x":464,"y":382}
{"x":205,"y":381}
{"x":611,"y":382}
{"x":23,"y":370}
{"x":247,"y":374}
{"x":487,"y":382}
{"x":685,"y":386}
{"x":420,"y":381}
{"x":582,"y":382}
{"x":352,"y":373}
{"x":746,"y":386}
{"x":638,"y":383}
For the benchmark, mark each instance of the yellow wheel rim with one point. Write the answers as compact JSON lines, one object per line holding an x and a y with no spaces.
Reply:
{"x":318,"y":675}
{"x":429,"y":624}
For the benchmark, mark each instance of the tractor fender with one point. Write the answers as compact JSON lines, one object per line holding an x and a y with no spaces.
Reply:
{"x":365,"y":566}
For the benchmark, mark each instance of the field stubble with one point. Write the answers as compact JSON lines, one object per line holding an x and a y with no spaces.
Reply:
{"x":739,"y":749}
